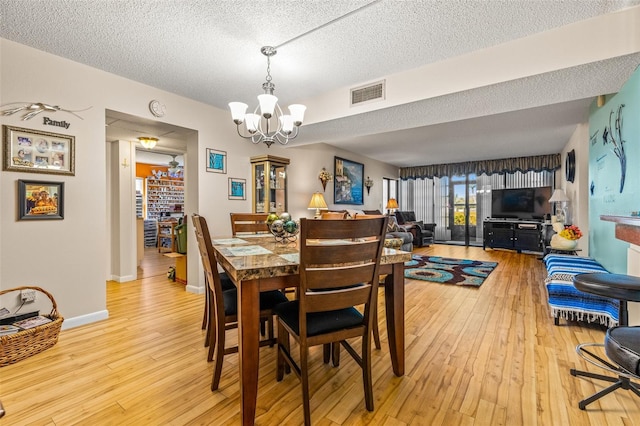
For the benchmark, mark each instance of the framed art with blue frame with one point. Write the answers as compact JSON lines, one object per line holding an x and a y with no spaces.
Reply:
{"x":237,"y":189}
{"x":348,"y":182}
{"x":216,"y":161}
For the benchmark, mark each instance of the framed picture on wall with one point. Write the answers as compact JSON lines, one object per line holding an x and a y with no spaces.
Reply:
{"x":237,"y":189}
{"x":35,"y":151}
{"x":40,"y":200}
{"x":216,"y":161}
{"x":348,"y":180}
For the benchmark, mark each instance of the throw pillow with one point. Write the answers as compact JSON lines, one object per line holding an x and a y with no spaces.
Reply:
{"x":392,"y":225}
{"x":353,"y":213}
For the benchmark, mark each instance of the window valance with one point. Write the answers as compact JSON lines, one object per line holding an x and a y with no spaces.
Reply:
{"x":536,"y":163}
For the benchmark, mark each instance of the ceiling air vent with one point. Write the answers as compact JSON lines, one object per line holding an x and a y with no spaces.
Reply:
{"x":370,"y":93}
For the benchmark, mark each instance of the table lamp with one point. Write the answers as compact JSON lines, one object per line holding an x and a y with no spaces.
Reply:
{"x":392,"y":204}
{"x":559,"y":197}
{"x":318,"y":203}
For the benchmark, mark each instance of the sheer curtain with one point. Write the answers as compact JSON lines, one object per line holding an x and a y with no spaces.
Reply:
{"x":430,"y":197}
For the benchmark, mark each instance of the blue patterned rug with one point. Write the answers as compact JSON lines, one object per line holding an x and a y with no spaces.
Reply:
{"x":448,"y":271}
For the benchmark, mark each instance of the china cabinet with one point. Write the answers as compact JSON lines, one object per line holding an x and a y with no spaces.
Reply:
{"x":269,"y":177}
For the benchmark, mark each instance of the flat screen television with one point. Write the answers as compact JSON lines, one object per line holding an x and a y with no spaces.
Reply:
{"x":522,"y":203}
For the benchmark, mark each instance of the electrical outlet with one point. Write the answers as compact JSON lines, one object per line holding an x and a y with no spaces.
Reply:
{"x":28,"y":295}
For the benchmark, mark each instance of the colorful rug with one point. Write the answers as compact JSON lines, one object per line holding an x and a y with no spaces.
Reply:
{"x":448,"y":271}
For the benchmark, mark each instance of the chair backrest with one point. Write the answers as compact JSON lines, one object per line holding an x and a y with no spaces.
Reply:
{"x":339,"y":263}
{"x":249,"y":223}
{"x":205,"y":246}
{"x":333,"y":215}
{"x":405,"y":216}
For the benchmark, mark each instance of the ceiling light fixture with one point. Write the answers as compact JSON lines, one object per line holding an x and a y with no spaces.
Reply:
{"x":271,"y":124}
{"x":173,"y":165}
{"x":148,"y":142}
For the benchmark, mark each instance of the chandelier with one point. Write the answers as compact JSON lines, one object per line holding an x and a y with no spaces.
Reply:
{"x":271,"y":124}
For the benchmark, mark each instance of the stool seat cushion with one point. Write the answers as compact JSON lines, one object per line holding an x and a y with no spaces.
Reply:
{"x":622,"y":346}
{"x":616,"y":286}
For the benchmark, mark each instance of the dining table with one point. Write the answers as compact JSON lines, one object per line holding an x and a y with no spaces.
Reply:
{"x":260,"y":262}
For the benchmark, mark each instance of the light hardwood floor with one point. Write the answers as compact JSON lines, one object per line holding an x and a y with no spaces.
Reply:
{"x":475,"y":356}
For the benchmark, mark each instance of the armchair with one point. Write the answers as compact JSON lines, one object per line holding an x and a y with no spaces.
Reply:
{"x":422,"y":232}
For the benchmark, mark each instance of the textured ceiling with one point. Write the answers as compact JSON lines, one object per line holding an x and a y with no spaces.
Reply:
{"x":209,"y":51}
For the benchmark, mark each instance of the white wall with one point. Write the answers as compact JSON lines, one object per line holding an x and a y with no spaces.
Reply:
{"x":578,"y":191}
{"x":71,"y":258}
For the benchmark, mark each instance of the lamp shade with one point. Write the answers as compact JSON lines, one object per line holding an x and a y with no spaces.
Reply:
{"x":558,"y":196}
{"x":392,"y":204}
{"x":318,"y":203}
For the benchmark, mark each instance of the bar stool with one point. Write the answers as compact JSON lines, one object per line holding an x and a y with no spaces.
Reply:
{"x":622,"y":343}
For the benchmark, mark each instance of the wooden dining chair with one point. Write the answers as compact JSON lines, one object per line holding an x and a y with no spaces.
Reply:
{"x":223,"y":304}
{"x":226,"y":282}
{"x":249,"y":223}
{"x":333,"y":215}
{"x":339,"y":271}
{"x":376,"y":329}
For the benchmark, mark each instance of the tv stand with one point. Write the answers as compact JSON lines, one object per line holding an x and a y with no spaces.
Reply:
{"x":513,"y":234}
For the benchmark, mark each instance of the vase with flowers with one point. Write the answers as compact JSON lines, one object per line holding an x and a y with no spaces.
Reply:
{"x":566,"y":239}
{"x":324,"y":177}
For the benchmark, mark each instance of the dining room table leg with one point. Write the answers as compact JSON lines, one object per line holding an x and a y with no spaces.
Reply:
{"x":394,"y":306}
{"x":248,"y":347}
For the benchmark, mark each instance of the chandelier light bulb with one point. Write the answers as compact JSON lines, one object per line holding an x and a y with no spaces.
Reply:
{"x":287,"y":124}
{"x":297,"y":112}
{"x":267,"y":105}
{"x":252,"y":122}
{"x":238,"y":109}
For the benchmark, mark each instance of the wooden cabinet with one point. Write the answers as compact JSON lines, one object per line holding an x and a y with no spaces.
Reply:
{"x":164,"y":196}
{"x":513,"y":234}
{"x":269,"y":174}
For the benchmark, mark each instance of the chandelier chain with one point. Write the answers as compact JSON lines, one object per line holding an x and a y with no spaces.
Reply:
{"x":268,"y":69}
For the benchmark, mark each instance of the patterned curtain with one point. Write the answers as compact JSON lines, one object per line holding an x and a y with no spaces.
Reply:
{"x":537,"y":163}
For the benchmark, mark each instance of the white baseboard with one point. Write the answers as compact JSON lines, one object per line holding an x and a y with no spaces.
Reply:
{"x":123,"y":279}
{"x":85,"y":319}
{"x":194,"y":289}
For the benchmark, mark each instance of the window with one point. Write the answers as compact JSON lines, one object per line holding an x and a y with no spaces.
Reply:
{"x":462,"y":200}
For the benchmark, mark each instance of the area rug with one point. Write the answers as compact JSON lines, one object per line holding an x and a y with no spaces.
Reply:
{"x":448,"y":271}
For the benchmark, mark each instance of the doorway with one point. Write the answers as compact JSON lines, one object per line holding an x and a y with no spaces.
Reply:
{"x":175,"y":143}
{"x":463,"y":210}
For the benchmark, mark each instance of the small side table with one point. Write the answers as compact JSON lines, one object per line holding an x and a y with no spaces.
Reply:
{"x":573,"y":251}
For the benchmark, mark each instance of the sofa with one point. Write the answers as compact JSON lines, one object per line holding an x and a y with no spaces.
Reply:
{"x":422,"y":232}
{"x":394,"y":234}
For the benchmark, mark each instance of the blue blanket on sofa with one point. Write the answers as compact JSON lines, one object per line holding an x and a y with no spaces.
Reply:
{"x":569,"y":303}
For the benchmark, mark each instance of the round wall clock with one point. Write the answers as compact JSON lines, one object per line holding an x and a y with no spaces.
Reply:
{"x":156,"y":108}
{"x":570,"y":165}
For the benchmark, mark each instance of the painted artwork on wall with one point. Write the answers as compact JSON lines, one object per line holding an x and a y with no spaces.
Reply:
{"x":216,"y":161}
{"x":614,"y":188}
{"x":237,"y":189}
{"x":348,"y":182}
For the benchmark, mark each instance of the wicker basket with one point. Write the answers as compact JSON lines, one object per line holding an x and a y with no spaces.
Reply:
{"x":23,"y":344}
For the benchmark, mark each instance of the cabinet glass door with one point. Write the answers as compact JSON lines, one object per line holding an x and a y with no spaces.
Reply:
{"x":269,"y":184}
{"x":259,"y":191}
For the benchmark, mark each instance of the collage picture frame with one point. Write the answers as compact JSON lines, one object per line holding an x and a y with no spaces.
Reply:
{"x":35,"y":151}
